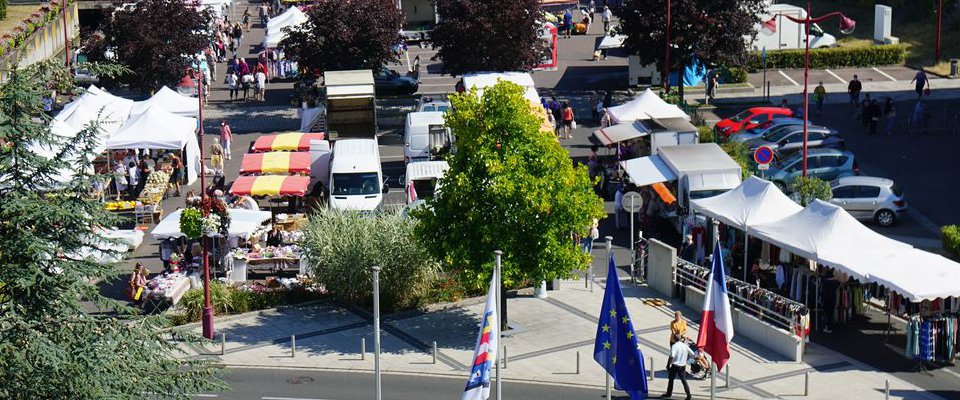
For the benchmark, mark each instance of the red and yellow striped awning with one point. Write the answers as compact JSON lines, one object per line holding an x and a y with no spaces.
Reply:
{"x":270,"y":185}
{"x":292,"y":141}
{"x":276,"y":162}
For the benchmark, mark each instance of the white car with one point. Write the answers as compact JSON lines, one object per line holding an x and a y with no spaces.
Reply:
{"x":869,"y":198}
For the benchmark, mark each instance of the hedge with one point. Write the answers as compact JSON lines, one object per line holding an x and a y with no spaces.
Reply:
{"x":834,"y":57}
{"x":3,"y":10}
{"x":950,"y":235}
{"x":732,"y":75}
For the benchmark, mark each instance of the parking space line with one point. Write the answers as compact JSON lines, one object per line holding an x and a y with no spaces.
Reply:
{"x":835,"y":76}
{"x":788,"y":77}
{"x":884,"y":74}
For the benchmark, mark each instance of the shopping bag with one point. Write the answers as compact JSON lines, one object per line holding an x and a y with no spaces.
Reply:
{"x":573,"y":124}
{"x":136,"y":297}
{"x":926,"y":91}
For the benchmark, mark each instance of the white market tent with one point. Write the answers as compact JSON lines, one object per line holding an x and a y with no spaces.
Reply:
{"x":754,"y":202}
{"x":645,"y":106}
{"x":243,"y":224}
{"x":622,"y":132}
{"x":168,"y":99}
{"x":292,"y":16}
{"x":916,"y":274}
{"x":484,"y":80}
{"x":156,"y":128}
{"x":111,"y":111}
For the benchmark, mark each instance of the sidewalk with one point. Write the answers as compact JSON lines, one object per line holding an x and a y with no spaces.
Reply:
{"x":542,"y":347}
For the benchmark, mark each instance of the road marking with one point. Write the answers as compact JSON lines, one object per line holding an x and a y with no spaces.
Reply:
{"x":438,"y":77}
{"x":884,"y":74}
{"x":788,"y":77}
{"x":205,"y":395}
{"x":435,"y":84}
{"x":835,"y":76}
{"x":288,"y":398}
{"x":947,"y":370}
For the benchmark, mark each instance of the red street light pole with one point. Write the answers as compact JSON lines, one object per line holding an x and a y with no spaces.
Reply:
{"x":847,"y":26}
{"x":665,"y":75}
{"x":939,"y":21}
{"x":66,"y":36}
{"x":187,"y":82}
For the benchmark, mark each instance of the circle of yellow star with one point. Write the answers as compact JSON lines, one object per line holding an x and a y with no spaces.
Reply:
{"x":613,"y":313}
{"x":606,"y":328}
{"x":625,"y":319}
{"x":606,"y":345}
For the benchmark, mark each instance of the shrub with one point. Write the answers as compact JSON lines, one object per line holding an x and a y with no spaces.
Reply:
{"x":869,"y":56}
{"x":808,"y":188}
{"x":950,"y":235}
{"x":732,"y":75}
{"x":707,"y":135}
{"x":740,"y":153}
{"x":3,"y":10}
{"x":342,"y":246}
{"x":220,"y":296}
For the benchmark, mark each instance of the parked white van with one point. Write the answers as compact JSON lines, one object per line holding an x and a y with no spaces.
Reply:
{"x":788,"y":34}
{"x":422,"y":179}
{"x":417,"y":135}
{"x":356,"y":179}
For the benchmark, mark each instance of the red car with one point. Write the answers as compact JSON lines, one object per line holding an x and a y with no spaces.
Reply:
{"x":750,"y":118}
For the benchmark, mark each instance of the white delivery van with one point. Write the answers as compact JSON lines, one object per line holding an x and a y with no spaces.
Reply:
{"x":422,"y":179}
{"x":356,"y":179}
{"x":420,"y":135}
{"x":788,"y":34}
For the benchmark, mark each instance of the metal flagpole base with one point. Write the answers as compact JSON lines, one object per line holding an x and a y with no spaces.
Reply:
{"x":208,"y":322}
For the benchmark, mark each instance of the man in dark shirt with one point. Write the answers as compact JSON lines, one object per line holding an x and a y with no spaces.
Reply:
{"x":854,"y":89}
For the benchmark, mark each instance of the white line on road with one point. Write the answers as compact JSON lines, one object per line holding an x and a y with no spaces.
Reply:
{"x":884,"y":74}
{"x":835,"y":76}
{"x":788,"y":77}
{"x":205,"y":395}
{"x":288,"y":398}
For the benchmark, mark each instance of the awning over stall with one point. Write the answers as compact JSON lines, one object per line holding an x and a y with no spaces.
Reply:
{"x":169,"y":100}
{"x":157,"y":128}
{"x":644,"y":171}
{"x":292,"y":141}
{"x":619,"y":133}
{"x":270,"y":185}
{"x":243,"y":223}
{"x":648,"y":105}
{"x":276,"y":162}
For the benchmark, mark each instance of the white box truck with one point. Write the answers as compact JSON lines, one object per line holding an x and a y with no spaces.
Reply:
{"x":351,"y":106}
{"x":788,"y":34}
{"x":355,"y":181}
{"x":424,"y":131}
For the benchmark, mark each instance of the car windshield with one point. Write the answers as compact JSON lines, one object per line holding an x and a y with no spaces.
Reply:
{"x":775,"y":135}
{"x":741,"y":116}
{"x":359,"y":183}
{"x":434,"y":107}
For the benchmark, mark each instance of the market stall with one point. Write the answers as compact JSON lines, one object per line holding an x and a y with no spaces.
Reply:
{"x":292,"y":141}
{"x":270,"y":185}
{"x":647,"y":105}
{"x":169,"y":100}
{"x":156,"y":128}
{"x":276,"y":162}
{"x":243,"y":224}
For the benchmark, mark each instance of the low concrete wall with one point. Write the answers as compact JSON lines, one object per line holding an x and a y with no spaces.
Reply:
{"x":661,"y":262}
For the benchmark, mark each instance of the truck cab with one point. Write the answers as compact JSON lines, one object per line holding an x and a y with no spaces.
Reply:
{"x":356,"y":180}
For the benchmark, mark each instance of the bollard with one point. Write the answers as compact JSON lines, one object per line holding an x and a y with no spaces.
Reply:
{"x":363,"y":348}
{"x":504,"y":357}
{"x":650,"y":367}
{"x":578,"y":362}
{"x":713,"y":381}
{"x":293,"y":346}
{"x":806,"y":384}
{"x":726,"y":378}
{"x":434,"y":351}
{"x":223,"y":343}
{"x":886,"y":389}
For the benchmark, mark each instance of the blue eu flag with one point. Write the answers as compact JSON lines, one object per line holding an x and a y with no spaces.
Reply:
{"x":616,"y":348}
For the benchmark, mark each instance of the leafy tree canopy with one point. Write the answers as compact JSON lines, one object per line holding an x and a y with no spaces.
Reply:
{"x":712,"y":31}
{"x":809,"y":188}
{"x":510,"y":187}
{"x":156,"y":39}
{"x":50,"y":240}
{"x":346,"y":34}
{"x":487,"y":35}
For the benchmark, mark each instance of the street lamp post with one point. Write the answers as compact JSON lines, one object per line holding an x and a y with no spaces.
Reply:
{"x":665,"y":74}
{"x":847,"y":26}
{"x":187,"y":84}
{"x":66,"y":36}
{"x":939,"y":22}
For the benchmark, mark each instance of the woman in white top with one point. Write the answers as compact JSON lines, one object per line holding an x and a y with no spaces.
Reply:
{"x":133,"y":178}
{"x":233,"y":83}
{"x":261,"y":85}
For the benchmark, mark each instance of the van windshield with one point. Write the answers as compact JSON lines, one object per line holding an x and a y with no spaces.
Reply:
{"x":359,"y":183}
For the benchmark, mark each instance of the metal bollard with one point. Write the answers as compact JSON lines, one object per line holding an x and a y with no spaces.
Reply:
{"x":293,"y":346}
{"x":504,"y":357}
{"x":434,"y":351}
{"x":363,"y":348}
{"x":650,"y":367}
{"x":578,"y":362}
{"x":806,"y":384}
{"x":223,"y":343}
{"x":886,"y":389}
{"x":726,"y":378}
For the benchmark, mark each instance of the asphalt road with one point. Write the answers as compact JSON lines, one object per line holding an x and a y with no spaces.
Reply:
{"x":300,"y":384}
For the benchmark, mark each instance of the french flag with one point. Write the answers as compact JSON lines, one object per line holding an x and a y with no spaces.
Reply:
{"x":716,"y":325}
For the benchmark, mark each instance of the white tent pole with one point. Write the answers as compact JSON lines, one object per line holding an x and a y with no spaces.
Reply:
{"x":746,"y":238}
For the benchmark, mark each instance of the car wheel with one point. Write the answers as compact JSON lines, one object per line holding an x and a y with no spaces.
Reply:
{"x":885,"y":218}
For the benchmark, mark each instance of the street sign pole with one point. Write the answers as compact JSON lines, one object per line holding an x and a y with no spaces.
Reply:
{"x":376,"y":326}
{"x":497,"y":255}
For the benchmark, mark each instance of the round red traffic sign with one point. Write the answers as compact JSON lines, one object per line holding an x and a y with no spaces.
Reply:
{"x":763,"y":155}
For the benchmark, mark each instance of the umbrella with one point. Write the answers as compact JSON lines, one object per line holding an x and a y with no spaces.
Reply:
{"x":276,"y":162}
{"x":293,"y":141}
{"x":270,"y":185}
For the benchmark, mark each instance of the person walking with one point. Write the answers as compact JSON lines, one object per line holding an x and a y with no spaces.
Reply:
{"x":556,"y":110}
{"x":246,"y":19}
{"x":712,"y":87}
{"x":216,"y":156}
{"x":873,"y":113}
{"x":819,"y":95}
{"x":680,"y":354}
{"x":133,"y":179}
{"x":567,"y":23}
{"x":176,"y":174}
{"x":854,"y":88}
{"x":606,"y":16}
{"x":593,"y":233}
{"x":137,"y":285}
{"x":921,"y":81}
{"x":261,"y":78}
{"x":889,"y":113}
{"x":568,"y":121}
{"x":226,"y":136}
{"x":264,"y":12}
{"x":233,"y":83}
{"x":119,"y":179}
{"x":864,"y":115}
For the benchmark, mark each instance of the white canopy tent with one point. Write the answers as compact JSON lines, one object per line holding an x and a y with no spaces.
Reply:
{"x":622,"y":132}
{"x":648,"y":105}
{"x":156,"y":128}
{"x":292,"y":16}
{"x":828,"y":234}
{"x":168,"y":99}
{"x":243,"y":224}
{"x":915,"y":274}
{"x":110,"y":110}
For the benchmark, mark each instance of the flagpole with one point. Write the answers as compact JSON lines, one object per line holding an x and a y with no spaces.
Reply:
{"x":376,"y":327}
{"x":609,"y":240}
{"x":496,"y":271}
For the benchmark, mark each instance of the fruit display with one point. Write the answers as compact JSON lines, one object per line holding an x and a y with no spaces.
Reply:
{"x":119,"y":205}
{"x":155,"y":188}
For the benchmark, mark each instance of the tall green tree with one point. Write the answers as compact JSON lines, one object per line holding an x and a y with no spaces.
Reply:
{"x":346,"y":34}
{"x":487,"y":35}
{"x":510,"y":187}
{"x":50,"y":347}
{"x":155,"y":38}
{"x":709,"y":30}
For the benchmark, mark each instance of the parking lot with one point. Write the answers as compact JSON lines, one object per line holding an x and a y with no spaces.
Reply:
{"x":794,"y":77}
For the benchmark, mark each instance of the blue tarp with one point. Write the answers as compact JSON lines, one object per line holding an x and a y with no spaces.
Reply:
{"x":693,"y":74}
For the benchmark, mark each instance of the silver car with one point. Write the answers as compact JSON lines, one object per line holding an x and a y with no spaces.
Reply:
{"x":869,"y":198}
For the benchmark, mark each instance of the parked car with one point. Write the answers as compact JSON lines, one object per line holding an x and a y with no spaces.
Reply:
{"x":433,"y":104}
{"x":765,"y":128}
{"x":788,"y":140}
{"x":869,"y":198}
{"x":750,"y":118}
{"x":390,"y":83}
{"x":826,"y":164}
